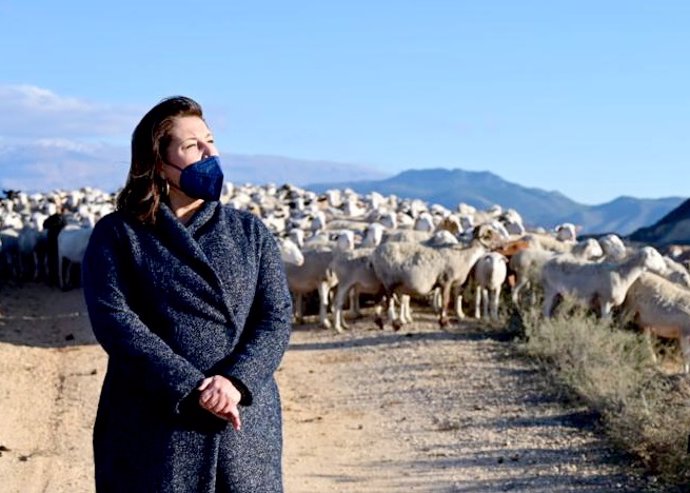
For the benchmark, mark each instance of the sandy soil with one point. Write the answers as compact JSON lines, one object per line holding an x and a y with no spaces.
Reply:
{"x":367,"y":411}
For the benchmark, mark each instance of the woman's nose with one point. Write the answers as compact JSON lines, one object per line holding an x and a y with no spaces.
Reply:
{"x":208,"y":149}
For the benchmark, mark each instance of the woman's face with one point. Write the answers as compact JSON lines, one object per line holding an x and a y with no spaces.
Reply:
{"x":190,"y":141}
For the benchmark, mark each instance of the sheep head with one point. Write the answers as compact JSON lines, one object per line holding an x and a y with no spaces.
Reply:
{"x":486,"y":235}
{"x":511,"y":248}
{"x":652,"y":259}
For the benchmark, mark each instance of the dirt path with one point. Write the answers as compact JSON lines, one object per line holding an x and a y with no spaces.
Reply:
{"x":367,"y":411}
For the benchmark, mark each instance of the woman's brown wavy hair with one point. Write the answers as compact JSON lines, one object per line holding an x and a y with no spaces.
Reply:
{"x":145,"y":189}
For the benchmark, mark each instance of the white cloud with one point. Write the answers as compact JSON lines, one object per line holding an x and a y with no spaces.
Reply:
{"x":30,"y":112}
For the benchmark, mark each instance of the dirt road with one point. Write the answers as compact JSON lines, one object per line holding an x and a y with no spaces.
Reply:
{"x":368,"y":411}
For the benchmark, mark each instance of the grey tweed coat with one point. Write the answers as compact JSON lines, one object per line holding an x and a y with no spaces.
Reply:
{"x":172,"y":304}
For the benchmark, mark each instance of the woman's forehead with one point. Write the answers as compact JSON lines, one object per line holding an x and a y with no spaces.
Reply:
{"x":186,"y":127}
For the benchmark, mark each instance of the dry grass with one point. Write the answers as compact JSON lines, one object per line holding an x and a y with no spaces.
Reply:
{"x":644,"y":410}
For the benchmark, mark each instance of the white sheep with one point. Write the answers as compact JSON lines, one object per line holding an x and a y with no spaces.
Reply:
{"x":71,"y":242}
{"x":354,"y":271}
{"x":676,"y":272}
{"x":613,"y":247}
{"x":373,"y":235}
{"x":290,"y":252}
{"x":566,"y":232}
{"x":490,"y":273}
{"x":548,"y":242}
{"x":312,"y":275}
{"x":424,"y":222}
{"x":662,"y":308}
{"x":30,"y":241}
{"x":10,"y":251}
{"x":414,"y":269}
{"x":527,"y":264}
{"x":512,"y":221}
{"x":441,"y":238}
{"x":605,"y":283}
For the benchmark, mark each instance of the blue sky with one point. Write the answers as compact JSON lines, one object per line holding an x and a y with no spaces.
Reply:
{"x":590,"y":98}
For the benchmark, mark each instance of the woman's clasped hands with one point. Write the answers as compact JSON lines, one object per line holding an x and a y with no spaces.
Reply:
{"x":220,"y":397}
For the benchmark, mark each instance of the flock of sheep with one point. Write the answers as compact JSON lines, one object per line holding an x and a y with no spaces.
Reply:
{"x":341,"y":246}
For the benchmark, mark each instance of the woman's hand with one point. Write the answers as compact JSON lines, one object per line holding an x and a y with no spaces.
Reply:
{"x":220,"y":397}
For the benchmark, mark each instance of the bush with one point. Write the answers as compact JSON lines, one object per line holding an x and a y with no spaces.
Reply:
{"x":644,"y":411}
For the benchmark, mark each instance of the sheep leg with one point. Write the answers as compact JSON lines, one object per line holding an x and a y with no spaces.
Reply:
{"x":685,"y":350}
{"x":485,"y":303}
{"x":650,"y":343}
{"x":354,"y":302}
{"x":532,"y":294}
{"x":496,"y":298}
{"x":547,"y":307}
{"x":605,"y":307}
{"x":437,"y":301}
{"x":477,"y":302}
{"x":338,"y":319}
{"x":515,"y":293}
{"x":68,"y":275}
{"x":443,"y":319}
{"x":392,"y":315}
{"x":405,"y":311}
{"x":61,"y":266}
{"x":299,"y":317}
{"x":36,"y":264}
{"x":323,"y":305}
{"x":378,"y":319}
{"x":458,"y":306}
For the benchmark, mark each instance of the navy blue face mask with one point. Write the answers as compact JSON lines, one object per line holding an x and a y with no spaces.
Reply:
{"x":203,"y":179}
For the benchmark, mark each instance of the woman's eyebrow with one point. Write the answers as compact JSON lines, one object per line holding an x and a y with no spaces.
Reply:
{"x":208,"y":135}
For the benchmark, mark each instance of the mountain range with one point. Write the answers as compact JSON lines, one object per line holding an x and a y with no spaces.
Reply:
{"x":673,"y":228}
{"x":56,"y":164}
{"x":538,"y":207}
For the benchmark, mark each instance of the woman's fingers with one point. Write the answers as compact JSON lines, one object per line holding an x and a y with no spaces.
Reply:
{"x":229,"y":412}
{"x":219,"y":385}
{"x":205,"y":383}
{"x":235,"y":421}
{"x":214,"y":401}
{"x":227,"y":408}
{"x":233,"y":416}
{"x":219,"y":396}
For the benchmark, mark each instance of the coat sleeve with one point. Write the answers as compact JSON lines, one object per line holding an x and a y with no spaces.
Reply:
{"x":153,"y":364}
{"x":266,"y":333}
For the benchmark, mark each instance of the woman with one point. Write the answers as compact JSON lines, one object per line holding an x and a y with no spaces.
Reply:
{"x":188,"y":297}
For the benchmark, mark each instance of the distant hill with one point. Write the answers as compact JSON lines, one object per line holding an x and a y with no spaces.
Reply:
{"x":51,"y":164}
{"x":47,"y":165}
{"x":673,"y":228}
{"x":537,"y":207}
{"x":622,"y":215}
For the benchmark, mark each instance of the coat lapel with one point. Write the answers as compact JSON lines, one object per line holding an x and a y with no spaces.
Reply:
{"x":179,"y":238}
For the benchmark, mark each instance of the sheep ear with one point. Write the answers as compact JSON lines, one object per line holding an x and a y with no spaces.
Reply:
{"x":485,"y":240}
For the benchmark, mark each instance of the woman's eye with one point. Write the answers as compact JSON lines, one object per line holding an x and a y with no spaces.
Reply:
{"x":189,"y":146}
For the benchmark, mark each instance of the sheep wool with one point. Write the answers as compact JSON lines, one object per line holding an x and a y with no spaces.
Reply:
{"x":172,"y":304}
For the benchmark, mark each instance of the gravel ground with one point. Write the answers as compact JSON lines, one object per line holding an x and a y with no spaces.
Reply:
{"x":440,"y":411}
{"x":364,"y":411}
